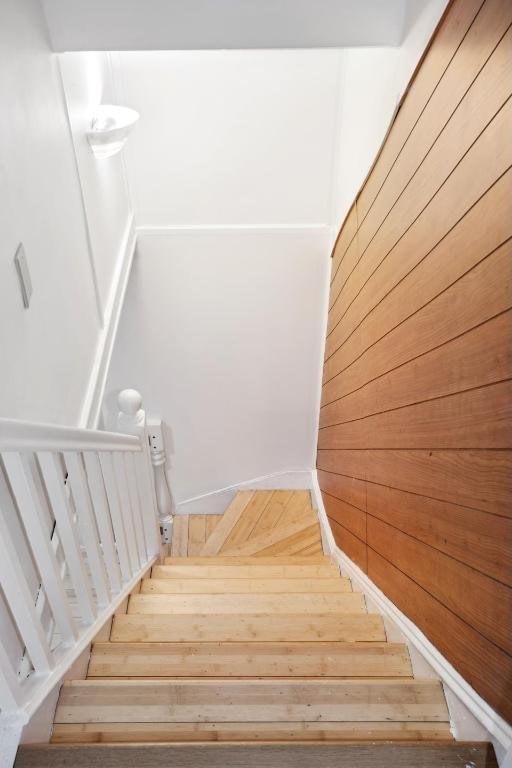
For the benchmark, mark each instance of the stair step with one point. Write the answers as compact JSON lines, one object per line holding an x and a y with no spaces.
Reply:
{"x":231,"y":571}
{"x":254,"y":660}
{"x":363,"y":755}
{"x":244,"y":586}
{"x":250,"y":560}
{"x":349,"y":602}
{"x":69,"y":733}
{"x":287,"y":627}
{"x":226,"y":700}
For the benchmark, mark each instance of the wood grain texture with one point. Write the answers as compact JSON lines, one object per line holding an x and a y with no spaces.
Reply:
{"x":179,"y":543}
{"x":245,"y":524}
{"x":249,"y":603}
{"x":410,"y":278}
{"x":354,"y":547}
{"x":257,"y":660}
{"x":162,"y":701}
{"x":225,"y":526}
{"x":360,"y":627}
{"x":284,"y":755}
{"x":248,"y":561}
{"x":481,"y":540}
{"x":345,"y":514}
{"x":244,"y":586}
{"x":196,"y":533}
{"x":416,"y":407}
{"x":266,"y":570}
{"x":90,"y":733}
{"x":479,"y":600}
{"x":464,"y":646}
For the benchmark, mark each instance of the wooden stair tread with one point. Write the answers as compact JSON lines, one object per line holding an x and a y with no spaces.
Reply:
{"x":304,"y":659}
{"x":285,"y":755}
{"x":245,"y":586}
{"x":348,"y":602}
{"x":250,"y":560}
{"x":303,"y":527}
{"x":227,"y":700}
{"x":249,"y":627}
{"x":65,"y":733}
{"x":229,"y":520}
{"x":315,"y":571}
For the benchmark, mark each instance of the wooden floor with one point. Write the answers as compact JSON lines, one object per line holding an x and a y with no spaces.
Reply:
{"x":247,"y":634}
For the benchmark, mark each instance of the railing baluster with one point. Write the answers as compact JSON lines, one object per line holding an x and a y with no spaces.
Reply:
{"x":135,"y":504}
{"x":20,"y":599}
{"x":124,"y":496}
{"x":80,"y":491}
{"x":54,"y":481}
{"x":38,"y":536}
{"x":10,"y":690}
{"x":145,"y":487}
{"x":101,"y":511}
{"x":116,"y":515}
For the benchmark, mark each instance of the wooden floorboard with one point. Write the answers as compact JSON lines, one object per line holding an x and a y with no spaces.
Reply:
{"x":229,"y":520}
{"x":244,"y":586}
{"x":162,"y":701}
{"x":314,"y":603}
{"x":90,"y":733}
{"x":264,"y":571}
{"x":283,"y":755}
{"x":248,"y":628}
{"x":257,"y":660}
{"x":249,"y":560}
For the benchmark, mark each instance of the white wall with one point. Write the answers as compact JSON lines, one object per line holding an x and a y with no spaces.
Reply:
{"x":372,"y":82}
{"x":47,"y":351}
{"x":240,"y":165}
{"x":231,"y":137}
{"x":88,"y":82}
{"x":221,"y":333}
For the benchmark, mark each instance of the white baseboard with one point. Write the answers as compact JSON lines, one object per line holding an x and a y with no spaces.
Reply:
{"x":471,"y":717}
{"x":94,"y":394}
{"x":215,"y":502}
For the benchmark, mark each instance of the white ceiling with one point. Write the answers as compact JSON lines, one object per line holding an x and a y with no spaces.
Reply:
{"x":208,"y":24}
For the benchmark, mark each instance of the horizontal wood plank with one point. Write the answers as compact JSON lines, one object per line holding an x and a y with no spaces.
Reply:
{"x":408,"y":279}
{"x":346,"y":515}
{"x":360,"y":627}
{"x":250,"y":603}
{"x":257,"y":660}
{"x":316,"y":570}
{"x":244,"y":586}
{"x":465,"y":647}
{"x":354,"y":547}
{"x":481,"y":540}
{"x":89,"y":733}
{"x":164,"y":701}
{"x":362,"y":754}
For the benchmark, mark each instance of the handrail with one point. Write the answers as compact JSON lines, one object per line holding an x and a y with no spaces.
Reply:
{"x":18,"y":435}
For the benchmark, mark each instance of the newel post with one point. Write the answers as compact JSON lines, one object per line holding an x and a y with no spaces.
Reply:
{"x":131,"y":419}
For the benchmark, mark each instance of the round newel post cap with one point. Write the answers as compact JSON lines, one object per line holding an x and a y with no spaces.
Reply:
{"x":129,"y":401}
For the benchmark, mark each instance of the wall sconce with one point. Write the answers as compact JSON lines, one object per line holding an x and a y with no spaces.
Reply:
{"x":109,"y":129}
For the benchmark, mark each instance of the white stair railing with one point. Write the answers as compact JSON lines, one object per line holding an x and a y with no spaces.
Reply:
{"x":78,"y":529}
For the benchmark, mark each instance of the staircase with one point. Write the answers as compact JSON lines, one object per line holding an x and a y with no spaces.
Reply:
{"x":247,"y":647}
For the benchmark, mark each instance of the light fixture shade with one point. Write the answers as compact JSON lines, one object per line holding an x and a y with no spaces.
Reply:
{"x":109,"y":129}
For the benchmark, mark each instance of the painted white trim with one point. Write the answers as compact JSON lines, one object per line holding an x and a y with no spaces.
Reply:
{"x":95,"y":389}
{"x":500,"y":732}
{"x":256,"y":229}
{"x":215,"y":502}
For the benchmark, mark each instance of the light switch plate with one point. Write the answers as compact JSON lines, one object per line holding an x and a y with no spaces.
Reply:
{"x":20,"y":260}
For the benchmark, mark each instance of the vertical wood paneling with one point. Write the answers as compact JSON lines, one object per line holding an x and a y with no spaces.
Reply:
{"x":415,"y":436}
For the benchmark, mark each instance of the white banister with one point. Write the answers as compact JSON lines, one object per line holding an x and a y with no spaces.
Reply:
{"x":78,"y":529}
{"x":131,"y":419}
{"x":52,"y":474}
{"x":38,"y":536}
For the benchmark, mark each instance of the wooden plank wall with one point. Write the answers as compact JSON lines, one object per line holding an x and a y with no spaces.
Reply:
{"x":414,"y":456}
